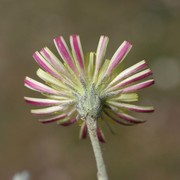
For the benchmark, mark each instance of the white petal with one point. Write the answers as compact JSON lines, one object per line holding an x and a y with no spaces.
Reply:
{"x":48,"y":110}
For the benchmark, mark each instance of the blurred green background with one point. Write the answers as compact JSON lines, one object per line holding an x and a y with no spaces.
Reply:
{"x":150,"y":151}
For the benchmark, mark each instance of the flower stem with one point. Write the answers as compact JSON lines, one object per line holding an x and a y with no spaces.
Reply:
{"x":92,"y":126}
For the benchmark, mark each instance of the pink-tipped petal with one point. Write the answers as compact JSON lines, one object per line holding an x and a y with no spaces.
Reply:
{"x":53,"y":60}
{"x":83,"y":131}
{"x":129,"y":118}
{"x":134,"y":78}
{"x":47,"y":110}
{"x":77,"y":50}
{"x":137,"y":86}
{"x":68,"y":122}
{"x":45,"y":65}
{"x":118,"y":57}
{"x":64,"y":52}
{"x":37,"y":86}
{"x":117,"y":120}
{"x":53,"y":119}
{"x":132,"y":107}
{"x":129,"y":71}
{"x":100,"y":53}
{"x":100,"y":135}
{"x":47,"y":102}
{"x":42,"y":101}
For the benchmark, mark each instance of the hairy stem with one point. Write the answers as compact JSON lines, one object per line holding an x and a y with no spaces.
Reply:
{"x":92,"y":125}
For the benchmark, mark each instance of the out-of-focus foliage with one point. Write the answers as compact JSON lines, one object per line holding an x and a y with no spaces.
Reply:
{"x":148,"y":151}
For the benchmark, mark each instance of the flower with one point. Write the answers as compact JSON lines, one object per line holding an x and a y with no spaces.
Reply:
{"x":79,"y":85}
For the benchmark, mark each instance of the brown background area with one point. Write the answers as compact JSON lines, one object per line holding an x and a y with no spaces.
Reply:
{"x":145,"y":152}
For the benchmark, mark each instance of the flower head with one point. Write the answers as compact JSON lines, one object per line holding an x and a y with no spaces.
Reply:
{"x":79,"y":85}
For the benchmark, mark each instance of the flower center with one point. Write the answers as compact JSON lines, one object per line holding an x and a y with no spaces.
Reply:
{"x":89,"y":104}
